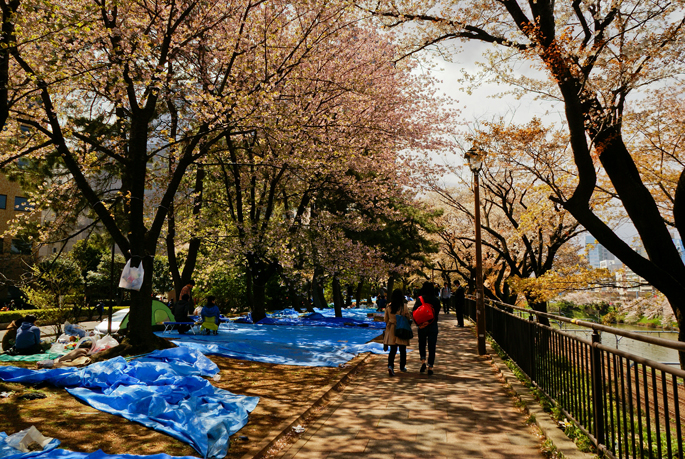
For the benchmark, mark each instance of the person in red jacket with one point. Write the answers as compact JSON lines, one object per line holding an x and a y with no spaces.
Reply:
{"x":428,"y":335}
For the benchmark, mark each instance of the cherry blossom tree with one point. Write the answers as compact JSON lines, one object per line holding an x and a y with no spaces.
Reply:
{"x":592,"y":56}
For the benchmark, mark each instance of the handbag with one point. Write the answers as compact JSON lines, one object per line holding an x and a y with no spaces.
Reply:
{"x":403,"y":327}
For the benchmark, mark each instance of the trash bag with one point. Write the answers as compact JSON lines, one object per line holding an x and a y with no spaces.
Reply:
{"x":73,"y":330}
{"x":28,"y":440}
{"x":131,"y":278}
{"x":103,"y":343}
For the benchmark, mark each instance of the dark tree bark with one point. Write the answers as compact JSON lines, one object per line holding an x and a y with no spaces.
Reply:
{"x":337,"y":297}
{"x":358,"y":295}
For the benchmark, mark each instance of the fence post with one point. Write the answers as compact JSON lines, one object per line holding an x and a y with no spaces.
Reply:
{"x":597,"y":389}
{"x":533,"y":334}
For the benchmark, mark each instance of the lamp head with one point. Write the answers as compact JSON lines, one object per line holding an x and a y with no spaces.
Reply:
{"x":475,"y":158}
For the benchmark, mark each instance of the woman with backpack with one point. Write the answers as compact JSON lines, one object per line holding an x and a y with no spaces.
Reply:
{"x":397,"y":307}
{"x":428,"y":330}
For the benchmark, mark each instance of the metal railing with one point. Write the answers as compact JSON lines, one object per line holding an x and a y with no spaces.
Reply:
{"x":629,"y":406}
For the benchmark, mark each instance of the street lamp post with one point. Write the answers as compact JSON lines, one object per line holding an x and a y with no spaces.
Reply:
{"x":475,"y":159}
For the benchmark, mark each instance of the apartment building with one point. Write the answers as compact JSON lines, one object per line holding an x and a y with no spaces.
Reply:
{"x":16,"y":255}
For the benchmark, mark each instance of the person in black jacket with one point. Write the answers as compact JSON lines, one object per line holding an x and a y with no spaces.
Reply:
{"x":429,"y":334}
{"x":182,"y":309}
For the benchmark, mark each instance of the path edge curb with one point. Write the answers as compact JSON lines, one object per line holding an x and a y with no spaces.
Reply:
{"x":542,"y":419}
{"x":286,"y":426}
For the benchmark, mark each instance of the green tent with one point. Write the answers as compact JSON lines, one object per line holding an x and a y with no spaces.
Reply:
{"x":160,"y":314}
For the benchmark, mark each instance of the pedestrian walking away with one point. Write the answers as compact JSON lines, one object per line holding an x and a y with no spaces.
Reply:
{"x":445,"y":294}
{"x":397,"y":307}
{"x":428,"y":335}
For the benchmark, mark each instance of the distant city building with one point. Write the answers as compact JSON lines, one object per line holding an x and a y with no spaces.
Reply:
{"x":596,"y":252}
{"x":611,"y":265}
{"x":16,"y":254}
{"x":680,"y":247}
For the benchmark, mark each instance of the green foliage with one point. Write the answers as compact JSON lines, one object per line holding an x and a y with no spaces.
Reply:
{"x":9,"y":316}
{"x":161,"y":275}
{"x":99,"y":280}
{"x":225,"y":281}
{"x":88,"y":252}
{"x":566,"y":308}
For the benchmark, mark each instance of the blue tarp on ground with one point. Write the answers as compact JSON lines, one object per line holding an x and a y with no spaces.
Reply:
{"x":51,"y":452}
{"x":321,"y":317}
{"x":163,"y":390}
{"x":286,"y":345}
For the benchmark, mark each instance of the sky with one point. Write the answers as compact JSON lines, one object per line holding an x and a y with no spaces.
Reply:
{"x":481,"y":105}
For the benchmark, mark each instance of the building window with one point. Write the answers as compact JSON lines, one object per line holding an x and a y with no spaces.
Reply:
{"x":20,"y":247}
{"x":22,"y":204}
{"x":3,"y":201}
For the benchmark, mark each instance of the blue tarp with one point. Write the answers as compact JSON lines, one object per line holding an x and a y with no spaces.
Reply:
{"x":163,"y":390}
{"x":287,"y":345}
{"x":351,"y":317}
{"x":51,"y":452}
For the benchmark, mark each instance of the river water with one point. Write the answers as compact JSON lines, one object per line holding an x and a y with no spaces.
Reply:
{"x":645,"y":350}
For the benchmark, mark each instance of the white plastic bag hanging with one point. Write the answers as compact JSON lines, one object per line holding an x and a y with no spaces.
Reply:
{"x":132,"y":278}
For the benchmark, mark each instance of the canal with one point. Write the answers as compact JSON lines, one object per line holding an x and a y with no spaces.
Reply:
{"x":646,"y":350}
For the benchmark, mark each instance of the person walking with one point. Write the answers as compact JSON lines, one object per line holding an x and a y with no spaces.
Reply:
{"x":428,"y":335}
{"x":459,"y":304}
{"x":397,"y":306}
{"x":445,"y":294}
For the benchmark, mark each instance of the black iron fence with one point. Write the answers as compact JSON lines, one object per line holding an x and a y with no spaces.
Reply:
{"x":629,"y":406}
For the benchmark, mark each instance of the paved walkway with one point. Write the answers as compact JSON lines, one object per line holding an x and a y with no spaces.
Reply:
{"x":462,"y":411}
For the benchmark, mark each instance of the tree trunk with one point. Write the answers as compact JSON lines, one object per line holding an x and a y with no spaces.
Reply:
{"x":295,"y":299}
{"x":391,"y":287}
{"x":348,"y":299}
{"x":337,"y":297}
{"x":140,"y":315}
{"x":317,"y":290}
{"x":358,"y":295}
{"x":258,"y":298}
{"x":249,"y":288}
{"x":540,"y":306}
{"x":194,"y":245}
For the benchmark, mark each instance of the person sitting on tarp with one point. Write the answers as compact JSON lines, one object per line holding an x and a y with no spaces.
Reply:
{"x":181,"y":309}
{"x":11,"y":334}
{"x":28,"y":337}
{"x":210,"y":316}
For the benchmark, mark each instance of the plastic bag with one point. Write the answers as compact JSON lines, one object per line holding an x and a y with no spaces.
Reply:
{"x":73,"y":330}
{"x":103,"y":343}
{"x":131,"y":278}
{"x":28,"y":440}
{"x":57,"y":348}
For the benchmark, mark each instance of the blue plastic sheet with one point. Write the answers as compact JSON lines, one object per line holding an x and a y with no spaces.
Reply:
{"x":52,"y":452}
{"x":324,"y":318}
{"x":163,"y":390}
{"x":286,"y":345}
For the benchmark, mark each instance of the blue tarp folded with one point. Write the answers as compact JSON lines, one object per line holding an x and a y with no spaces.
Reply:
{"x":163,"y":391}
{"x":286,"y":345}
{"x":51,"y":452}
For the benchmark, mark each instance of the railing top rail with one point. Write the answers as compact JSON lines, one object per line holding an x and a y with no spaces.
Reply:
{"x":677,"y":345}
